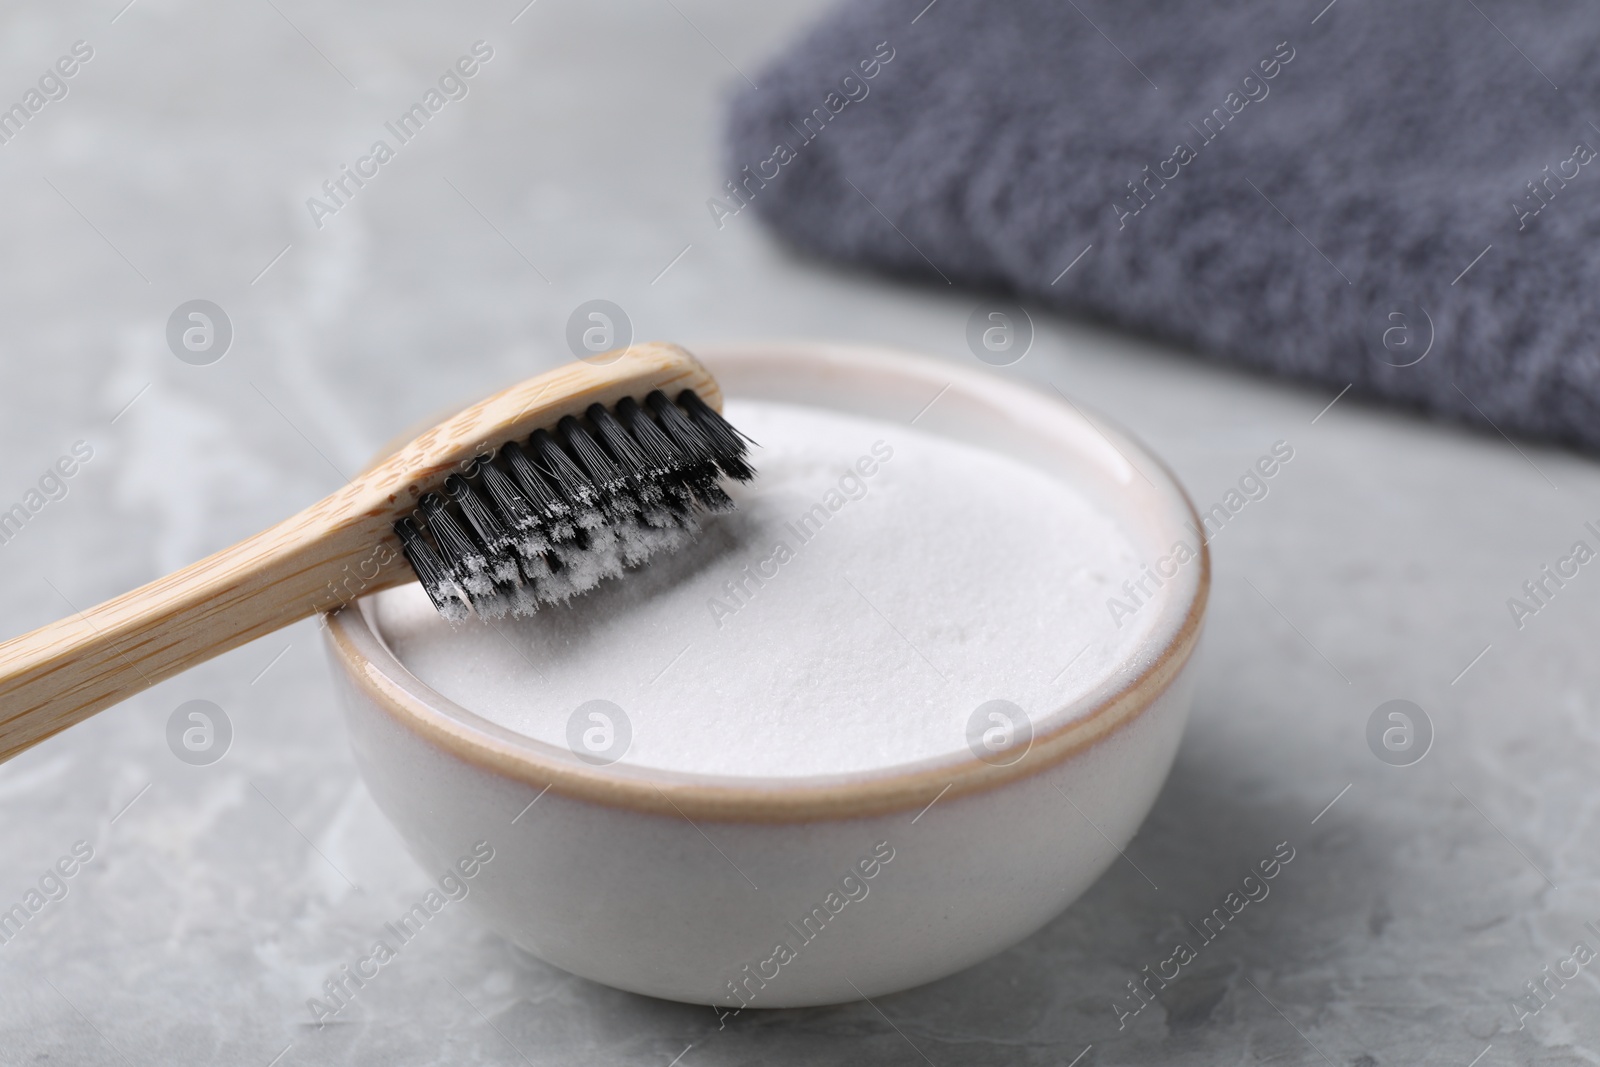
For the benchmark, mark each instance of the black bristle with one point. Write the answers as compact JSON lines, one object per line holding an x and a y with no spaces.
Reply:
{"x":727,"y":444}
{"x":701,"y":465}
{"x":528,"y":536}
{"x":436,"y":580}
{"x":601,"y":468}
{"x":548,"y":504}
{"x":455,"y":545}
{"x":618,"y":496}
{"x":541,"y":522}
{"x":485,"y":523}
{"x":710,"y":495}
{"x":630,"y":458}
{"x":563,"y":472}
{"x":661,"y":467}
{"x":689,"y":438}
{"x":468,"y":560}
{"x":656,"y":450}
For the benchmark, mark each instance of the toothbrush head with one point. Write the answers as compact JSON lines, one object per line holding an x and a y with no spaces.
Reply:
{"x":551,"y":515}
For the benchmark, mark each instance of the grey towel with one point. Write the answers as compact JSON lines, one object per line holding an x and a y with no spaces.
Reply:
{"x":1399,"y":197}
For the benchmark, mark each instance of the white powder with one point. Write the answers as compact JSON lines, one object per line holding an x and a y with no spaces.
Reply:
{"x":947,"y":577}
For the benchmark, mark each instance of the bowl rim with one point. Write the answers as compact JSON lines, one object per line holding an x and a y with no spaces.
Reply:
{"x":366,"y":661}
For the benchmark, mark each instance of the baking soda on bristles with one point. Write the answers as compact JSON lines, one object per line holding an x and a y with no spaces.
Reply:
{"x":873,"y":588}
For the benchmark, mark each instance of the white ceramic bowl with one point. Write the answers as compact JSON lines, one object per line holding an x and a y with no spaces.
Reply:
{"x":684,"y":887}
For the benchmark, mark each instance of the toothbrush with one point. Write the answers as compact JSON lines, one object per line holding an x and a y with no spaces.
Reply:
{"x":529,"y":497}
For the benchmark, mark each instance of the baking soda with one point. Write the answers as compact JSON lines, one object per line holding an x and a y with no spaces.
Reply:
{"x":876,"y":585}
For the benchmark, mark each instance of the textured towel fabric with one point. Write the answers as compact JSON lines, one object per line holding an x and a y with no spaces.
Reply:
{"x":1303,"y":189}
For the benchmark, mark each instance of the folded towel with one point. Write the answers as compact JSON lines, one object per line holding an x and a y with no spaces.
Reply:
{"x":1402,"y":198}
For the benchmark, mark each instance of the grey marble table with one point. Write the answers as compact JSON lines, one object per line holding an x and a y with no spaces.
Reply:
{"x":178,"y":165}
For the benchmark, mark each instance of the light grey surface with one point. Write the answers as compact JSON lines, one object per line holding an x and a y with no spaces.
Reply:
{"x":216,"y":904}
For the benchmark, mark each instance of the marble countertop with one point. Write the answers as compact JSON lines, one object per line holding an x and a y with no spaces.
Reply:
{"x":177,"y":167}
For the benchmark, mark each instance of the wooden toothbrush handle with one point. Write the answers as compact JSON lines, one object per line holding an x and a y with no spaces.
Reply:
{"x":340,"y":548}
{"x":62,"y":673}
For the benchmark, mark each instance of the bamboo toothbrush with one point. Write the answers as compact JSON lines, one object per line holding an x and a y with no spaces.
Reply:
{"x":530,"y":496}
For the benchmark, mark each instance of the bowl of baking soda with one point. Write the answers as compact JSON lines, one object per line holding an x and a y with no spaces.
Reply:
{"x":887,"y":718}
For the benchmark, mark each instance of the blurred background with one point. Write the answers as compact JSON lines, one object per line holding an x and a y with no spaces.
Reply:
{"x":177,"y":167}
